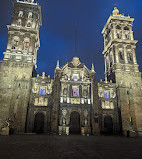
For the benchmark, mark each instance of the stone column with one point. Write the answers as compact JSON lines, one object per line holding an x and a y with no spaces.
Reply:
{"x":105,"y":68}
{"x":104,"y":40}
{"x":131,"y":33}
{"x":32,"y":43}
{"x":9,"y":43}
{"x":114,"y":31}
{"x":125,"y":54}
{"x":134,"y":54}
{"x":116,"y":54}
{"x":105,"y":65}
{"x":123,"y":35}
{"x":111,"y":54}
{"x":21,"y":41}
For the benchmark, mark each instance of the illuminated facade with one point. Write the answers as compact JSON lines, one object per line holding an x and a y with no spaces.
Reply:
{"x":73,"y":101}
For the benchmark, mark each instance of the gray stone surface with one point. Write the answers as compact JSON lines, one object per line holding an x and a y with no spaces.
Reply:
{"x":69,"y":147}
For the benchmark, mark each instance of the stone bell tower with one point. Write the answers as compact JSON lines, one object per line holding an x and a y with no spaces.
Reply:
{"x":18,"y":64}
{"x":121,"y":67}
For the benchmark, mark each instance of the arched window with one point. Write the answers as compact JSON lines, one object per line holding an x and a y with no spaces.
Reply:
{"x":126,"y":28}
{"x":111,"y":60}
{"x":26,"y":44}
{"x":20,"y":14}
{"x":30,"y":15}
{"x":127,"y":36}
{"x":130,"y":56}
{"x":121,"y":55}
{"x":118,"y":35}
{"x":118,"y":27}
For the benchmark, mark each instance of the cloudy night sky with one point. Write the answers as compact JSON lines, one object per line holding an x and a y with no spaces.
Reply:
{"x":60,"y":19}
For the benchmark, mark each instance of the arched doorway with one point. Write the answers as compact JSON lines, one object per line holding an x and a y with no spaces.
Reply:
{"x":108,"y":124}
{"x":39,"y":123}
{"x":75,"y":123}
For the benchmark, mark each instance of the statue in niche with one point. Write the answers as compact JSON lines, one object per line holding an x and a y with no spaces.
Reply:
{"x":85,"y":92}
{"x":65,"y":91}
{"x":19,"y":22}
{"x":101,"y":94}
{"x":15,"y":44}
{"x":130,"y":57}
{"x":26,"y":45}
{"x":35,"y":90}
{"x":85,"y":122}
{"x":64,"y":121}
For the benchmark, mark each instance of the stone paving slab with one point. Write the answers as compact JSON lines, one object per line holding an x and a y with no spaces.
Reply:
{"x":69,"y":147}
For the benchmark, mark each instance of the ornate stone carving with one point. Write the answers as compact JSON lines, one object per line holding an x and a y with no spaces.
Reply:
{"x":75,"y":100}
{"x":85,"y":113}
{"x":64,"y":112}
{"x":76,"y":61}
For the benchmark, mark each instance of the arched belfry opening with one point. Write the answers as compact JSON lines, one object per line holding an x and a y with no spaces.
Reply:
{"x":108,"y":125}
{"x":39,"y":123}
{"x":75,"y":123}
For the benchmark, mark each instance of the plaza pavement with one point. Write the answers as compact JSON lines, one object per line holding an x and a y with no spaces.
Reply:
{"x":69,"y":147}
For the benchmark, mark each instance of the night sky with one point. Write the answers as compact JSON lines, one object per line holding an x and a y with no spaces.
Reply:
{"x":60,"y":19}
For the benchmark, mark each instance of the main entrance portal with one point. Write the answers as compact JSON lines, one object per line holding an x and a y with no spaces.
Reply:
{"x":108,"y":124}
{"x":74,"y":123}
{"x":39,"y":123}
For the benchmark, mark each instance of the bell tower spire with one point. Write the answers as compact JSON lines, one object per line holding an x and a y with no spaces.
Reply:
{"x":19,"y":62}
{"x":121,"y":67}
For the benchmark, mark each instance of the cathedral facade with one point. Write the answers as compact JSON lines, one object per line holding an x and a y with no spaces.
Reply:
{"x":73,"y":101}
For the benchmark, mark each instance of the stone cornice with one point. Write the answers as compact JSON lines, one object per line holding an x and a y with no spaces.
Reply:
{"x":119,"y":41}
{"x":116,"y":18}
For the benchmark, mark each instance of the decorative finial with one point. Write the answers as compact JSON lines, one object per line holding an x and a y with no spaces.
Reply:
{"x":58,"y":66}
{"x":92,"y":69}
{"x":115,"y":11}
{"x":105,"y":79}
{"x":43,"y":74}
{"x":76,"y":61}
